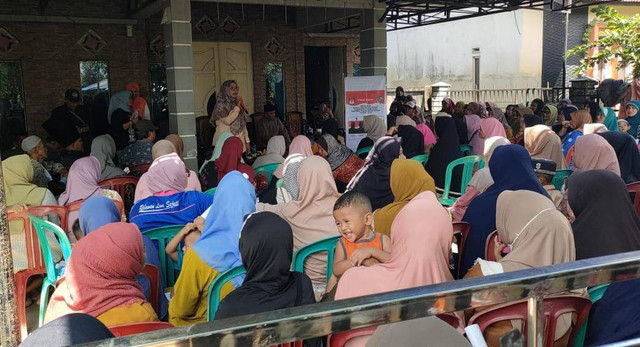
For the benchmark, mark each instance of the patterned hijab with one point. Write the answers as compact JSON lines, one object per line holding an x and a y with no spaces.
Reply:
{"x":225,"y":103}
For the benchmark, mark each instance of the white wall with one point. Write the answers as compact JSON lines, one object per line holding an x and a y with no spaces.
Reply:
{"x":510,"y":52}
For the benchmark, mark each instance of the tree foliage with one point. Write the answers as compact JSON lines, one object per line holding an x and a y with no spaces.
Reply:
{"x":620,"y":40}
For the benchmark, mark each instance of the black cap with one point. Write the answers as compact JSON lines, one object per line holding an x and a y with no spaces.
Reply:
{"x":72,"y":95}
{"x":269,"y":107}
{"x":143,"y":127}
{"x":544,"y":166}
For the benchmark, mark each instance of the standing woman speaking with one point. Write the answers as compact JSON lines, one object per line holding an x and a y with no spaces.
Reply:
{"x":230,"y":113}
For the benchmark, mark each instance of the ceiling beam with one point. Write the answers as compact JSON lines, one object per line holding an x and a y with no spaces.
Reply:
{"x":359,"y":4}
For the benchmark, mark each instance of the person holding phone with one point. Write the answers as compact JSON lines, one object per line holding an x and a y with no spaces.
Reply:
{"x":121,"y":120}
{"x":230,"y":114}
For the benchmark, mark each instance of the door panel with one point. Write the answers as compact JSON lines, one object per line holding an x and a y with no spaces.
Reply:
{"x":205,"y":74}
{"x":236,"y":64}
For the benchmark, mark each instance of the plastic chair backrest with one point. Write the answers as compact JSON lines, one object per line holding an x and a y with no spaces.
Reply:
{"x":462,"y":229}
{"x":153,"y":274}
{"x":163,"y":235}
{"x":138,"y":328}
{"x":595,"y":294}
{"x":489,"y":245}
{"x":466,"y":150}
{"x":215,"y":289}
{"x":279,"y":183}
{"x":119,"y":183}
{"x":267,"y":170}
{"x":364,"y":150}
{"x":341,"y":339}
{"x":75,"y":207}
{"x":211,"y":191}
{"x":139,"y":170}
{"x":554,"y":307}
{"x":635,"y":188}
{"x":35,"y":262}
{"x":325,"y":245}
{"x":46,"y":210}
{"x":422,"y":159}
{"x":559,"y":177}
{"x":467,"y":172}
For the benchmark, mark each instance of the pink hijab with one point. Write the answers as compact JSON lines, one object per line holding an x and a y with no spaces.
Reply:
{"x":491,"y":127}
{"x":593,"y":152}
{"x":419,"y":252}
{"x":473,"y":133}
{"x":82,"y":182}
{"x":429,"y":137}
{"x":299,"y":145}
{"x":167,"y":173}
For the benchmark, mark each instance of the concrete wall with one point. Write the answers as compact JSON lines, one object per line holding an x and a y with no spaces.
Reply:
{"x":510,"y":52}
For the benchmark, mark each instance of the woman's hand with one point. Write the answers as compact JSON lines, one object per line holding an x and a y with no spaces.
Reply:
{"x":497,"y":249}
{"x":392,"y":131}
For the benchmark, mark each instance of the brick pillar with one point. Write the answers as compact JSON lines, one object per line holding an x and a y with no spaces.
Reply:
{"x":179,"y":62}
{"x":373,"y":43}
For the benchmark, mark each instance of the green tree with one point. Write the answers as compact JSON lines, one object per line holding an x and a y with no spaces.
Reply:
{"x":620,"y":40}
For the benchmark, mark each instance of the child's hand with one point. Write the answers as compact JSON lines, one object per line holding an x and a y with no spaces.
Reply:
{"x":370,"y":262}
{"x":360,"y":255}
{"x":199,"y":223}
{"x":187,"y":229}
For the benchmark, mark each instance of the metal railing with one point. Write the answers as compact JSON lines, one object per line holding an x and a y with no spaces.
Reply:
{"x":504,"y":97}
{"x":322,"y":319}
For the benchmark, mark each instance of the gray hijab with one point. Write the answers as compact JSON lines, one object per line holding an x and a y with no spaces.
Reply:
{"x":290,"y":183}
{"x":338,"y":153}
{"x":104,"y":148}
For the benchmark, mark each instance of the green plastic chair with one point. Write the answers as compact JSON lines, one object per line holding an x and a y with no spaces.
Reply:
{"x":364,"y":150}
{"x":50,"y":280}
{"x":279,"y":183}
{"x":215,"y":289}
{"x":466,"y":150}
{"x":595,"y":294}
{"x":560,"y":176}
{"x":325,"y":245}
{"x":467,"y":172}
{"x":267,"y":170}
{"x":168,"y":267}
{"x":211,"y":191}
{"x":422,"y":158}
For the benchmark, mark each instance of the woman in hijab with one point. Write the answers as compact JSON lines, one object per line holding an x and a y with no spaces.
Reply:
{"x":104,"y":148}
{"x":231,"y":159}
{"x":400,"y":97}
{"x":594,"y":152}
{"x":299,"y":145}
{"x":550,"y":115}
{"x":404,"y":120}
{"x":537,"y":106}
{"x":627,"y":152}
{"x":537,"y":235}
{"x":208,"y":170}
{"x":475,"y":133}
{"x":266,"y":249}
{"x":577,"y":122}
{"x":481,"y":179}
{"x":44,"y":171}
{"x":276,"y":147}
{"x":446,"y":150}
{"x":159,"y":149}
{"x":495,"y":112}
{"x":215,"y":252}
{"x":491,"y":127}
{"x":289,"y":191}
{"x":511,"y":169}
{"x":101,"y":281}
{"x":610,"y":120}
{"x":344,"y":163}
{"x":594,"y":128}
{"x":474,"y":108}
{"x":412,"y":141}
{"x":408,"y":179}
{"x":375,"y":128}
{"x":96,"y":212}
{"x":121,"y":121}
{"x":310,"y":216}
{"x":136,"y":102}
{"x":633,"y":118}
{"x":541,"y":142}
{"x":600,"y":202}
{"x":461,"y":126}
{"x":230,"y":114}
{"x":373,"y":179}
{"x":193,"y":183}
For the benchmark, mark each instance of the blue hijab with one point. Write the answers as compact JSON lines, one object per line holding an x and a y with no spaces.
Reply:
{"x":635,"y":120}
{"x":218,"y":246}
{"x":511,"y":169}
{"x":96,"y":212}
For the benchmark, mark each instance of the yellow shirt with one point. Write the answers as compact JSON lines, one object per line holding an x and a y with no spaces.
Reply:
{"x":189,"y":304}
{"x":135,"y":313}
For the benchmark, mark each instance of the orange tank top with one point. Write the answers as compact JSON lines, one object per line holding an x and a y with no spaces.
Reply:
{"x":349,"y":247}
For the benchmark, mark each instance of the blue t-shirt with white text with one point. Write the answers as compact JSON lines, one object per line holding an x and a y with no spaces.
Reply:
{"x":176,"y":209}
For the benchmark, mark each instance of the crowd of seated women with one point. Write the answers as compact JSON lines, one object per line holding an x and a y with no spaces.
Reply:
{"x":392,"y":232}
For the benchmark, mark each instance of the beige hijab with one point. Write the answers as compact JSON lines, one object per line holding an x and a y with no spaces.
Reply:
{"x":482,"y":179}
{"x":594,"y":128}
{"x":594,"y":152}
{"x":542,"y":143}
{"x":374,"y":126}
{"x":405,"y":120}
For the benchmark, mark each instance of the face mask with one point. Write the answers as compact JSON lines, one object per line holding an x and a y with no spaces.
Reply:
{"x":521,"y":230}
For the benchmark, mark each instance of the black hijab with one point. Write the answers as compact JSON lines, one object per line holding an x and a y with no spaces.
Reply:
{"x":70,"y":329}
{"x":446,"y":150}
{"x":606,"y":222}
{"x":373,"y":179}
{"x":627,"y":153}
{"x":539,"y":106}
{"x":412,"y":141}
{"x":266,"y":248}
{"x":532,"y":120}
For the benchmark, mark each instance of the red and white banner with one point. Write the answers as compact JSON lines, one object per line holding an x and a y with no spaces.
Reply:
{"x":363,"y":96}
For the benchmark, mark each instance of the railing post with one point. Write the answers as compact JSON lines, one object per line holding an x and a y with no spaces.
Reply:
{"x":9,"y":325}
{"x":535,"y":326}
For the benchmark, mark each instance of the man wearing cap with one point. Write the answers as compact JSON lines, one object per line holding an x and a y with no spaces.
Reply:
{"x":72,"y":113}
{"x":270,"y":126}
{"x":545,"y":170}
{"x":139,"y":152}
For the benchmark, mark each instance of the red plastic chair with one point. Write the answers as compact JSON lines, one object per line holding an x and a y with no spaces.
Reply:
{"x":490,"y":245}
{"x":75,"y":207}
{"x":35,"y":267}
{"x":451,"y":319}
{"x":139,"y":170}
{"x":340,"y":339}
{"x":554,"y":307}
{"x":635,"y":188}
{"x":119,"y":183}
{"x":462,"y":229}
{"x":138,"y":328}
{"x":153,"y":274}
{"x":46,"y":210}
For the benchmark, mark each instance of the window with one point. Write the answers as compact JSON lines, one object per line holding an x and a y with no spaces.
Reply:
{"x":275,"y":86}
{"x":12,"y":116}
{"x":94,"y":79}
{"x":159,"y":107}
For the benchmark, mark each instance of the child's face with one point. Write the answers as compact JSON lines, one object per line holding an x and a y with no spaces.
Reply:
{"x":353,"y":222}
{"x":624,"y":127}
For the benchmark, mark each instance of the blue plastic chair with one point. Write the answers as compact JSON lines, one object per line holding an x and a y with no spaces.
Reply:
{"x":215,"y":289}
{"x":466,"y":150}
{"x":168,"y":267}
{"x":364,"y":150}
{"x":422,"y":159}
{"x":267,"y":170}
{"x":325,"y":245}
{"x":467,"y":172}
